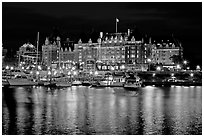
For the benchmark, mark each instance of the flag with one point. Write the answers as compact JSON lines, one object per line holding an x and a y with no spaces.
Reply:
{"x":117,"y":20}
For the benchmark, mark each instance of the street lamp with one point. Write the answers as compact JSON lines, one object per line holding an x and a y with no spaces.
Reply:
{"x":75,"y":73}
{"x":178,"y":66}
{"x":172,"y":74}
{"x":96,"y":73}
{"x":39,"y":67}
{"x":7,"y":67}
{"x":112,"y":68}
{"x":198,"y":67}
{"x":123,"y":67}
{"x":158,"y":68}
{"x":149,"y":61}
{"x":49,"y":72}
{"x":91,"y":72}
{"x":191,"y":74}
{"x":37,"y":73}
{"x":185,"y":62}
{"x":69,"y":73}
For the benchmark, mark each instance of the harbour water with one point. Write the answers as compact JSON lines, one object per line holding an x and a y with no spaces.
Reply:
{"x":84,"y":110}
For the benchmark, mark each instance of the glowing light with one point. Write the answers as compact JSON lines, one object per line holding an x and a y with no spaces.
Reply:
{"x":49,"y":72}
{"x":37,"y":73}
{"x":69,"y":73}
{"x":149,"y":60}
{"x":172,"y":74}
{"x":7,"y":67}
{"x":39,"y":67}
{"x":75,"y":73}
{"x":153,"y":74}
{"x":11,"y":68}
{"x":22,"y":67}
{"x":122,"y":67}
{"x":158,"y":68}
{"x":96,"y":72}
{"x":91,"y":72}
{"x":197,"y":67}
{"x":73,"y":68}
{"x":185,"y":62}
{"x":55,"y":72}
{"x":178,"y":66}
{"x":112,"y":68}
{"x":191,"y":74}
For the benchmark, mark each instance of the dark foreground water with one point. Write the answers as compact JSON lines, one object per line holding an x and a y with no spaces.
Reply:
{"x":84,"y":110}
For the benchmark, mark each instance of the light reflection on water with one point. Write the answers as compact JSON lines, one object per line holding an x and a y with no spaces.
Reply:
{"x":84,"y":110}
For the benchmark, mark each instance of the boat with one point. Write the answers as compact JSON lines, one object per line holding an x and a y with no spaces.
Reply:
{"x":5,"y":82}
{"x":118,"y":81}
{"x":98,"y":84}
{"x":50,"y":84}
{"x":21,"y":81}
{"x":63,"y":82}
{"x":86,"y":83}
{"x":132,"y":83}
{"x":76,"y":83}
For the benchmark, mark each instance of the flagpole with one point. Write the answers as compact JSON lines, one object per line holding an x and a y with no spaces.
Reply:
{"x":116,"y":25}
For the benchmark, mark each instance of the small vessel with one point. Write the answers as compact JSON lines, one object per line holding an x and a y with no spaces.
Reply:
{"x":86,"y":83}
{"x":63,"y":82}
{"x":50,"y":84}
{"x":21,"y":81}
{"x":132,"y":83}
{"x":98,"y":84}
{"x":118,"y":81}
{"x":76,"y":83}
{"x":5,"y":82}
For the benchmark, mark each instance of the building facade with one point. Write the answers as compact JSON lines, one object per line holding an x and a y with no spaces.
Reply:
{"x":57,"y":56}
{"x":113,"y":52}
{"x":163,"y":50}
{"x":27,"y":54}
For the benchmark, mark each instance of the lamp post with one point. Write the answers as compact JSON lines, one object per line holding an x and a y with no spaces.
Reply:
{"x":198,"y":67}
{"x":185,"y":63}
{"x":49,"y":74}
{"x":149,"y":61}
{"x":158,"y":68}
{"x":178,"y":67}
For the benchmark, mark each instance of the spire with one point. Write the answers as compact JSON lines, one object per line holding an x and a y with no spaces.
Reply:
{"x":79,"y":42}
{"x":47,"y":41}
{"x":90,"y":41}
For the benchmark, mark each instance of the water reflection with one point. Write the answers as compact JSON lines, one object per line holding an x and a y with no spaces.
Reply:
{"x":84,"y":110}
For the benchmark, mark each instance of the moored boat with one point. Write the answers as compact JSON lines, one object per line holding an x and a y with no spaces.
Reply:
{"x":21,"y":81}
{"x":86,"y":83}
{"x":76,"y":83}
{"x":132,"y":83}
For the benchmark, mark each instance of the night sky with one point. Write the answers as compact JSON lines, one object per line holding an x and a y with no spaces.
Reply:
{"x":22,"y":21}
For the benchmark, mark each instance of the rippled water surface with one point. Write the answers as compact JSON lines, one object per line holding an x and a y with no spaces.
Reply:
{"x":85,"y":110}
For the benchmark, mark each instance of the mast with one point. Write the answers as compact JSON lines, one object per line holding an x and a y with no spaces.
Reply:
{"x":37,"y":48}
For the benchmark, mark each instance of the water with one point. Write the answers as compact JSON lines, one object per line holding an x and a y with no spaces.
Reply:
{"x":84,"y":110}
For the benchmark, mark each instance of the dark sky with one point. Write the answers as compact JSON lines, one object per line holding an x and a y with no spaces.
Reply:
{"x":22,"y":21}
